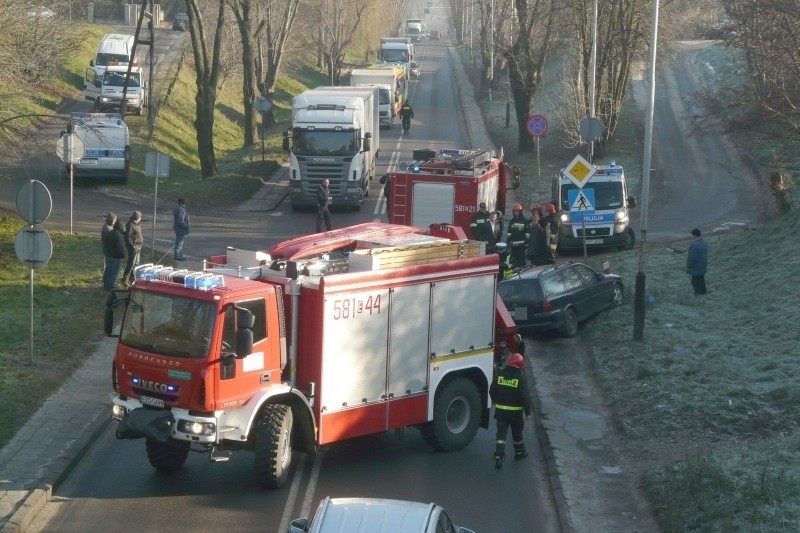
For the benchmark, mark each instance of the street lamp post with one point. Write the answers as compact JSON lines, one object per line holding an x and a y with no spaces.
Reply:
{"x":639,"y":298}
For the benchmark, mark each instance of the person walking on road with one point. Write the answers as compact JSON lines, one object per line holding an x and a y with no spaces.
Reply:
{"x":113,"y":241}
{"x":182,"y":227}
{"x":697,"y":262}
{"x":133,"y":246}
{"x":519,"y":234}
{"x":407,"y":113}
{"x":481,"y":227}
{"x":323,"y":201}
{"x":509,"y":393}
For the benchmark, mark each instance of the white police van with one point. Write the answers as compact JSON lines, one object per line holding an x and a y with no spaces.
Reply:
{"x":598,"y":211}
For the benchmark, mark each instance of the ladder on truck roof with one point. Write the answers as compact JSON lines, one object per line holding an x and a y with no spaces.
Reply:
{"x":451,"y":161}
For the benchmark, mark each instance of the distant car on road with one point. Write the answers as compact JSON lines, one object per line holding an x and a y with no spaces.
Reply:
{"x":558,"y":297}
{"x":375,"y":515}
{"x":40,"y":11}
{"x":435,"y":35}
{"x":180,"y":22}
{"x":414,"y":69}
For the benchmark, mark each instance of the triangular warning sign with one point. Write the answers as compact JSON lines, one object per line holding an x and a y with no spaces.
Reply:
{"x":582,"y":203}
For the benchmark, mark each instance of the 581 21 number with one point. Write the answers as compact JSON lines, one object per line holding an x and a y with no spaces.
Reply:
{"x":352,"y":307}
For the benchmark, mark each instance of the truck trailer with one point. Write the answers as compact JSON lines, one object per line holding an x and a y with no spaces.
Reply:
{"x":448,"y":186}
{"x":386,"y":81}
{"x":322,"y":338}
{"x":335,"y":135}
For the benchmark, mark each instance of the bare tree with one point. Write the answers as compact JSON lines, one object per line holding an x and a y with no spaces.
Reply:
{"x":273,"y":32}
{"x":527,"y":58}
{"x":206,"y":53}
{"x":768,"y":34}
{"x":338,"y":23}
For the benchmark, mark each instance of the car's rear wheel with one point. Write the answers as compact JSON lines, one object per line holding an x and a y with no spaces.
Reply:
{"x":570,"y":323}
{"x":616,"y":295}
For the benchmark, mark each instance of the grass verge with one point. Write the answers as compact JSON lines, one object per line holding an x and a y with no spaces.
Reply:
{"x":709,"y":404}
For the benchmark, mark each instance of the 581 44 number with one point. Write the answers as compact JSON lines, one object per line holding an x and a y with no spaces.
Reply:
{"x":352,"y":307}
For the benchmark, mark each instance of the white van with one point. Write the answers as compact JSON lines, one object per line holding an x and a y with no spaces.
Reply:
{"x":106,"y":147}
{"x":114,"y":49}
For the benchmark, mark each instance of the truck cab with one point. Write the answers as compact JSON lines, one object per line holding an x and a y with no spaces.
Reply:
{"x":597,"y":213}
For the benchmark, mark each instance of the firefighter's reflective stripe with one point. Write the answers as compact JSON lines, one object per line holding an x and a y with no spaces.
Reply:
{"x":508,"y":407}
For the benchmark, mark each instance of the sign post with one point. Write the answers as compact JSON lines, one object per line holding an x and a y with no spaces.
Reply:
{"x":70,"y":149}
{"x":537,"y":126}
{"x":33,"y":245}
{"x":156,"y":165}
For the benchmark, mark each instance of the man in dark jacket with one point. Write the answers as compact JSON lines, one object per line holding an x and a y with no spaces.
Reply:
{"x":133,"y":246}
{"x":697,"y":262}
{"x":509,"y":392}
{"x":323,"y":201}
{"x":181,"y":226}
{"x":113,"y":241}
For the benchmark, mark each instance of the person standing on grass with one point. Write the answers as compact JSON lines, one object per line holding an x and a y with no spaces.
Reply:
{"x":133,"y":246}
{"x":113,"y":241}
{"x":180,"y":223}
{"x":697,"y":262}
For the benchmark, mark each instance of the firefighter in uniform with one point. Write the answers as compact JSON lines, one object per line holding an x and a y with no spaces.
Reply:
{"x":506,"y":270}
{"x":509,"y":392}
{"x":481,"y":227}
{"x":551,"y":221}
{"x":519,"y":234}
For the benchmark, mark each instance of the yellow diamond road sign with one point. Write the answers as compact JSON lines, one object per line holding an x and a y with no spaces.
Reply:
{"x":579,"y":171}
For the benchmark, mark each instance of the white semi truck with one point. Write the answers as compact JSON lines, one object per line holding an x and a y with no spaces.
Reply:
{"x":415,"y":29}
{"x":389,"y":97}
{"x":106,"y":146}
{"x":334,"y":135}
{"x":396,"y":50}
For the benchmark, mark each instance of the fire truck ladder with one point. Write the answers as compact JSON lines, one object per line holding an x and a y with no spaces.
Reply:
{"x":467,"y":159}
{"x":400,"y":196}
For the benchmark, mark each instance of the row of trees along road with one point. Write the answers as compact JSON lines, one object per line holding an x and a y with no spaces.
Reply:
{"x":531,"y":35}
{"x":267,"y":32}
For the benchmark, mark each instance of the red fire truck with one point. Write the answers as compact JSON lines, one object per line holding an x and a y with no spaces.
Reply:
{"x":327,"y":337}
{"x":447,"y":187}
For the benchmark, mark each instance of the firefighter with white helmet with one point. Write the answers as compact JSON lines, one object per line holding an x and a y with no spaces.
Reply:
{"x":519,"y":234}
{"x":509,"y":392}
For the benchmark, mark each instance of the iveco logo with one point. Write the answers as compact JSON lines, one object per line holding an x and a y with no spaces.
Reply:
{"x":154,"y":360}
{"x":323,"y":160}
{"x":155,"y":386}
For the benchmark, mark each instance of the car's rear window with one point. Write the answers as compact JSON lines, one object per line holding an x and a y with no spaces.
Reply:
{"x":520,"y":291}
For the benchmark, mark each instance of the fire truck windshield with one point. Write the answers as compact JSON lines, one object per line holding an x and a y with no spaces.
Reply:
{"x":168,"y":325}
{"x":325,"y":142}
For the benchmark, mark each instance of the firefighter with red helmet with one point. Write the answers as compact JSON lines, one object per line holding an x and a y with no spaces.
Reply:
{"x":519,"y":234}
{"x":512,"y":402}
{"x":550,"y":220}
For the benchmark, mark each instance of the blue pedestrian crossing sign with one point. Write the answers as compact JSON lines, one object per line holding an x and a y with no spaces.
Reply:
{"x":581,"y":202}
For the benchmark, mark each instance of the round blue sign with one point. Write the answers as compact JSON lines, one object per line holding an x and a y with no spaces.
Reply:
{"x":537,"y":125}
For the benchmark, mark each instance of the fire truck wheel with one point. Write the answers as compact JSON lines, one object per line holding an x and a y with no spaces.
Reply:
{"x":456,"y":416}
{"x":273,"y":446}
{"x":167,"y":456}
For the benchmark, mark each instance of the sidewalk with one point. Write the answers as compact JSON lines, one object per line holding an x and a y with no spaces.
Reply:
{"x":592,"y":489}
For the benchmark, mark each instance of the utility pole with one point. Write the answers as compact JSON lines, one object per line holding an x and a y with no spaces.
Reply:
{"x":639,"y":297}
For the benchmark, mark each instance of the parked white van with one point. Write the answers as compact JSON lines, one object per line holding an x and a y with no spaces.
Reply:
{"x":114,"y":49}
